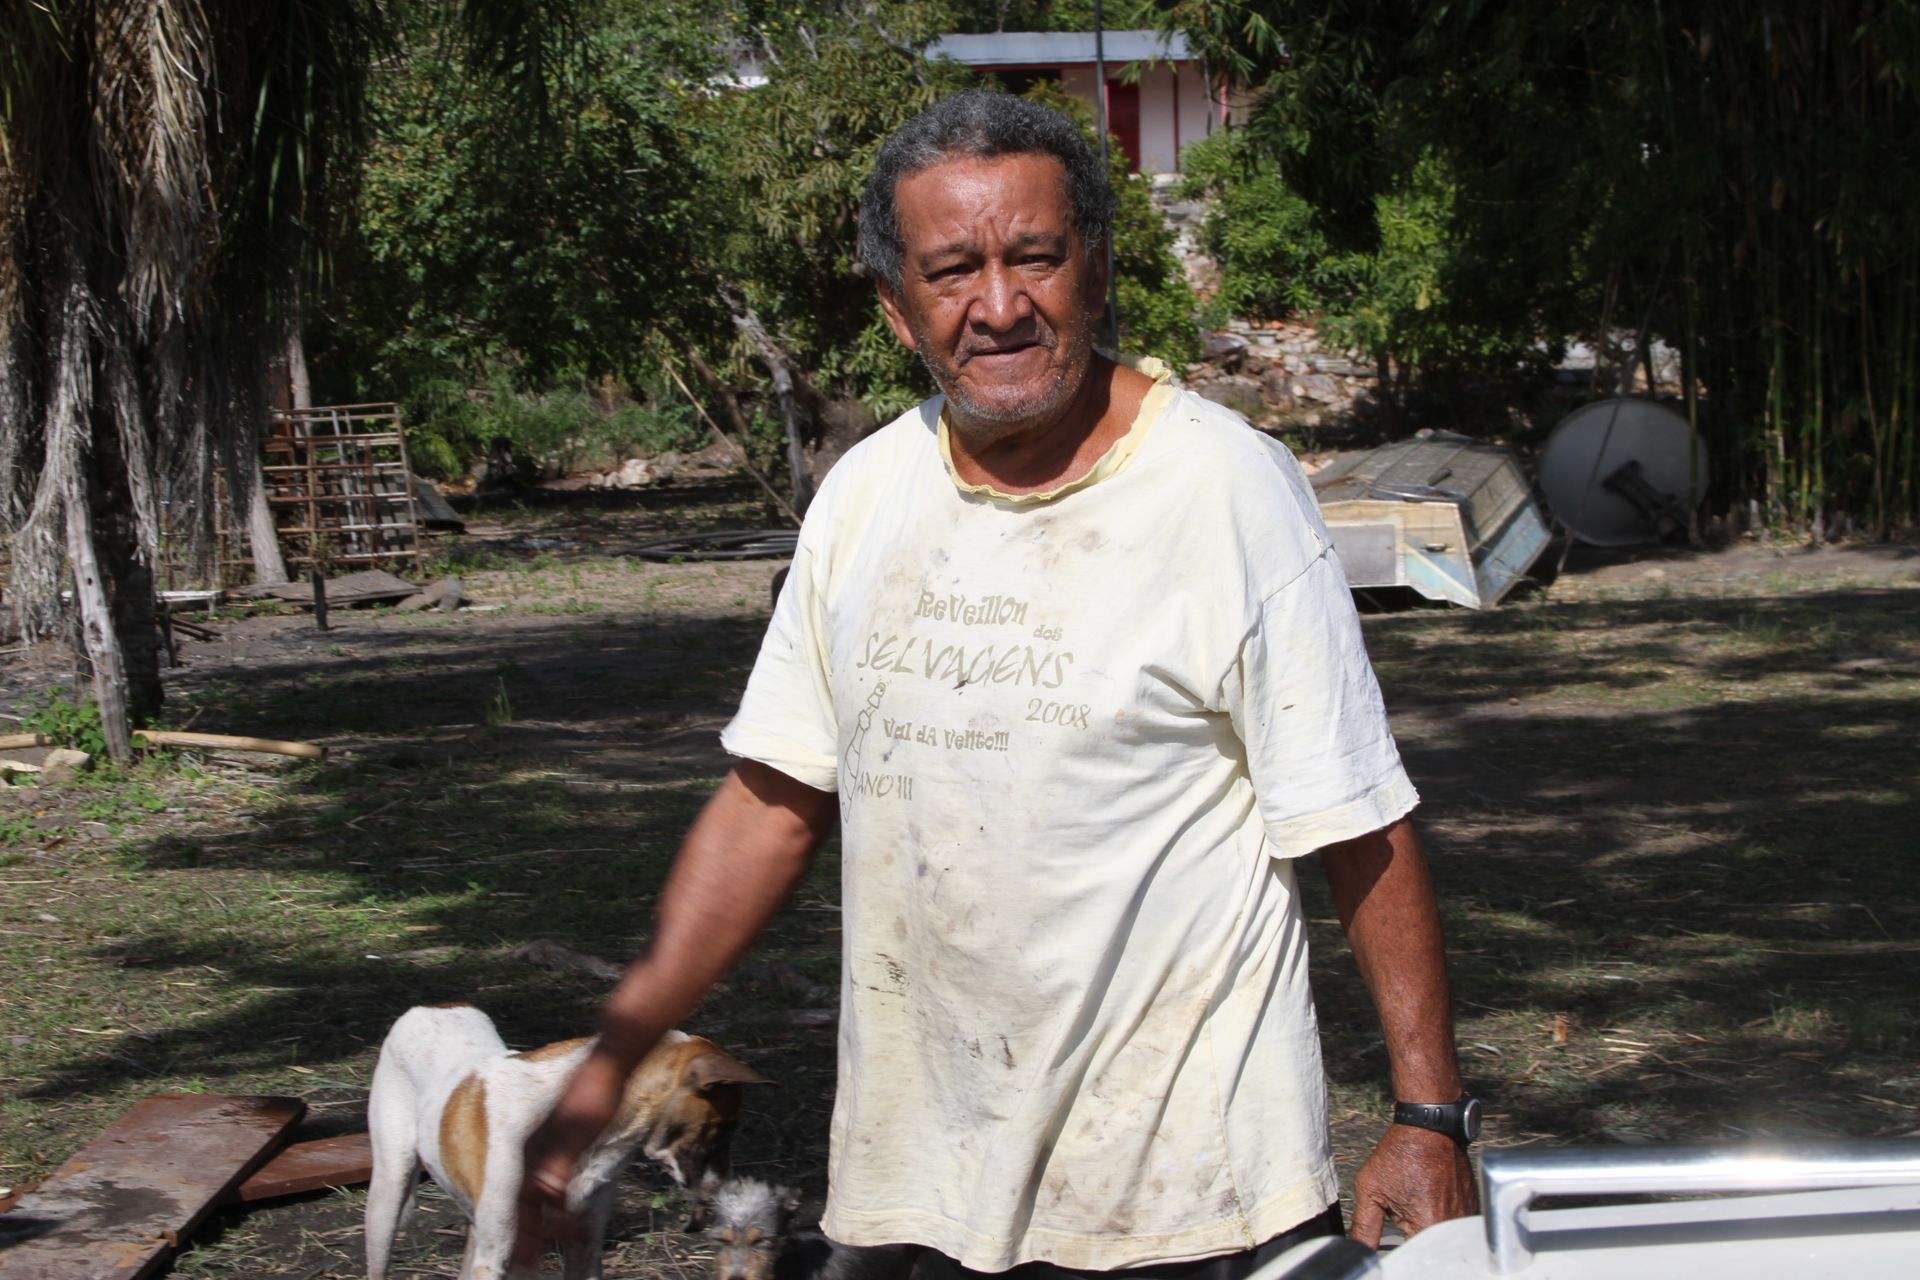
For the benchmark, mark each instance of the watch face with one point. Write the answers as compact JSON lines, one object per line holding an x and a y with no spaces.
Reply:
{"x":1470,"y":1119}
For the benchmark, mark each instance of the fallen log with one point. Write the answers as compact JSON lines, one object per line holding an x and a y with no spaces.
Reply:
{"x":227,"y":742}
{"x":14,"y":741}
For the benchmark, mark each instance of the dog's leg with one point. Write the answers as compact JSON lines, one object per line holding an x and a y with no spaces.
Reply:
{"x":490,"y":1234}
{"x":389,"y":1201}
{"x":582,"y":1251}
{"x":396,"y":1163}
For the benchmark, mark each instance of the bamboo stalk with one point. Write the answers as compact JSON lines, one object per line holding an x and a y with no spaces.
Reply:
{"x":227,"y":742}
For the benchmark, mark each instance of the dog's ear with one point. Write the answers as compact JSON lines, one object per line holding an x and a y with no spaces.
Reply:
{"x":789,"y":1200}
{"x":714,"y":1067}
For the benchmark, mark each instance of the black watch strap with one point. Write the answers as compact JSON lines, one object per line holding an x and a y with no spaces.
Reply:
{"x":1459,"y":1120}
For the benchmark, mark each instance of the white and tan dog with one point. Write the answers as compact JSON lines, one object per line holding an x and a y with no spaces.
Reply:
{"x":447,"y":1093}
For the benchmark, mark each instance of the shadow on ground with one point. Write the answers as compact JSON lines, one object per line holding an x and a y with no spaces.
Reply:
{"x":1674,"y":838}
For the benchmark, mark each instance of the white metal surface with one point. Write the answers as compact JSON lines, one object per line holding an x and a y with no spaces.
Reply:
{"x":1511,"y":1180}
{"x":1596,"y":440}
{"x":1863,"y":1224}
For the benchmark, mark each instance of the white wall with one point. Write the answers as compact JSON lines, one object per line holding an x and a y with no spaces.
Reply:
{"x":1199,"y":115}
{"x":1163,"y":91}
{"x":1157,"y":150}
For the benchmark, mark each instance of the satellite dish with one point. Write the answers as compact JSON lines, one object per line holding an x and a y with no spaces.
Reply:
{"x":1623,"y":471}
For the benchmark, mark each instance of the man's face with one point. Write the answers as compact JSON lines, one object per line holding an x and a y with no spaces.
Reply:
{"x":997,"y":294}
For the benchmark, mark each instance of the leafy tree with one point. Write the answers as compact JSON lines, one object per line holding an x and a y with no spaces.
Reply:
{"x":1397,"y":296}
{"x":488,"y":248}
{"x":1732,"y":176}
{"x":790,"y":160}
{"x":1051,"y":15}
{"x":671,"y":224}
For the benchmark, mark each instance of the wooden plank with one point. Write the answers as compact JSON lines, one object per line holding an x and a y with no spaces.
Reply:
{"x":368,"y":584}
{"x":308,"y":1166}
{"x":126,"y":1200}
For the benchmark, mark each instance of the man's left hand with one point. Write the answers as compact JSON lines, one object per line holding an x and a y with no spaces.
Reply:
{"x":1415,"y":1177}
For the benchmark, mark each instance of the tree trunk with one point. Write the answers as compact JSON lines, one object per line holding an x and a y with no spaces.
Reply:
{"x":780,"y":369}
{"x":97,"y":630}
{"x":122,"y":564}
{"x":1392,"y":393}
{"x":269,"y":566}
{"x":299,"y":385}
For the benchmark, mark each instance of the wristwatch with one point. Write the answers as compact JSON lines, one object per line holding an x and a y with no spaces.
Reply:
{"x":1458,"y":1120}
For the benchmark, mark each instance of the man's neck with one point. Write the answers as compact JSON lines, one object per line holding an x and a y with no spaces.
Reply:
{"x":1059,"y":450}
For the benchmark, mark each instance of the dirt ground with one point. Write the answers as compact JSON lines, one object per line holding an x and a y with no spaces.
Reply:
{"x":1670,"y":797}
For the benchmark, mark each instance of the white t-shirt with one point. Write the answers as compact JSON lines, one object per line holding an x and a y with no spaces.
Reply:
{"x":1077,"y":739}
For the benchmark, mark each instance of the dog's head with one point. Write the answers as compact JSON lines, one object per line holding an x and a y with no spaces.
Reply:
{"x":749,"y":1226}
{"x":681,"y":1105}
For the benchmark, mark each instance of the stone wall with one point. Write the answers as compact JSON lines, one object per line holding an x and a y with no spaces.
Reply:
{"x":1278,"y":374}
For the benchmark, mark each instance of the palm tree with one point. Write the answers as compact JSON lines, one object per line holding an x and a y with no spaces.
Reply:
{"x":170,"y":173}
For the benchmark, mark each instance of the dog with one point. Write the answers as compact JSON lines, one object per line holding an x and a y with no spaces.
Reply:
{"x":448,"y":1094}
{"x":748,"y":1227}
{"x":751,"y":1229}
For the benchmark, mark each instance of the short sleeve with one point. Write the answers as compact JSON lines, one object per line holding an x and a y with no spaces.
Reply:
{"x":786,"y":718}
{"x":1307,"y":707}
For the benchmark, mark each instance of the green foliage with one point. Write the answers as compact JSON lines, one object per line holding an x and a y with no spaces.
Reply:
{"x":789,"y":161}
{"x":502,"y":268}
{"x":431,"y":454}
{"x":1733,"y":177}
{"x":562,"y":429}
{"x":650,"y":428}
{"x":1050,"y":15}
{"x":1273,"y":256}
{"x":487,"y":244}
{"x":65,"y":722}
{"x":1405,"y":297}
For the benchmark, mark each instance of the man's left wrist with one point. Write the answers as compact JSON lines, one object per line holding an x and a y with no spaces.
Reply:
{"x":1459,"y":1119}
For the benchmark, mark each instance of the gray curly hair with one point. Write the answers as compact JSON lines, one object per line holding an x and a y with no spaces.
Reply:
{"x":978,"y":122}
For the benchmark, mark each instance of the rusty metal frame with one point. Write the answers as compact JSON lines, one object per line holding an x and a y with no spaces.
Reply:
{"x":340,"y":487}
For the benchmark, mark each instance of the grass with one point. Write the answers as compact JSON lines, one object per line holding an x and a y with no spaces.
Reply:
{"x":1673,"y":833}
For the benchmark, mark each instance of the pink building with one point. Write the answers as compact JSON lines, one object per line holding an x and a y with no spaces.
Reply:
{"x":1171,"y":103}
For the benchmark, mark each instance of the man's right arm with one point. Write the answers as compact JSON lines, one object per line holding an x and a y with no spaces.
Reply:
{"x":742,"y":855}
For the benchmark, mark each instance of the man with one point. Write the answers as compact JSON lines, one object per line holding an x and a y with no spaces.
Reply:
{"x":1073,"y":651}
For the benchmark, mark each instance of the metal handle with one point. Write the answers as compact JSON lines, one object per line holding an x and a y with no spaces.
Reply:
{"x":1511,"y":1179}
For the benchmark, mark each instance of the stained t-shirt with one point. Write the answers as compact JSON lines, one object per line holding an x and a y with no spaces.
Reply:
{"x":1078,"y":739}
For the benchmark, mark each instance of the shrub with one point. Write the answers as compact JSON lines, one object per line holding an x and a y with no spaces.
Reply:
{"x":65,"y":722}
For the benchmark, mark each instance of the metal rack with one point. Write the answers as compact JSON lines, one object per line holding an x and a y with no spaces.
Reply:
{"x":338,"y":483}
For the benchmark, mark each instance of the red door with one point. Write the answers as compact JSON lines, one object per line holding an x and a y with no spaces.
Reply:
{"x":1123,"y":120}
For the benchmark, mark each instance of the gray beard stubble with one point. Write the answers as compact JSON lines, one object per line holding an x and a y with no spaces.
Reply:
{"x":986,"y":425}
